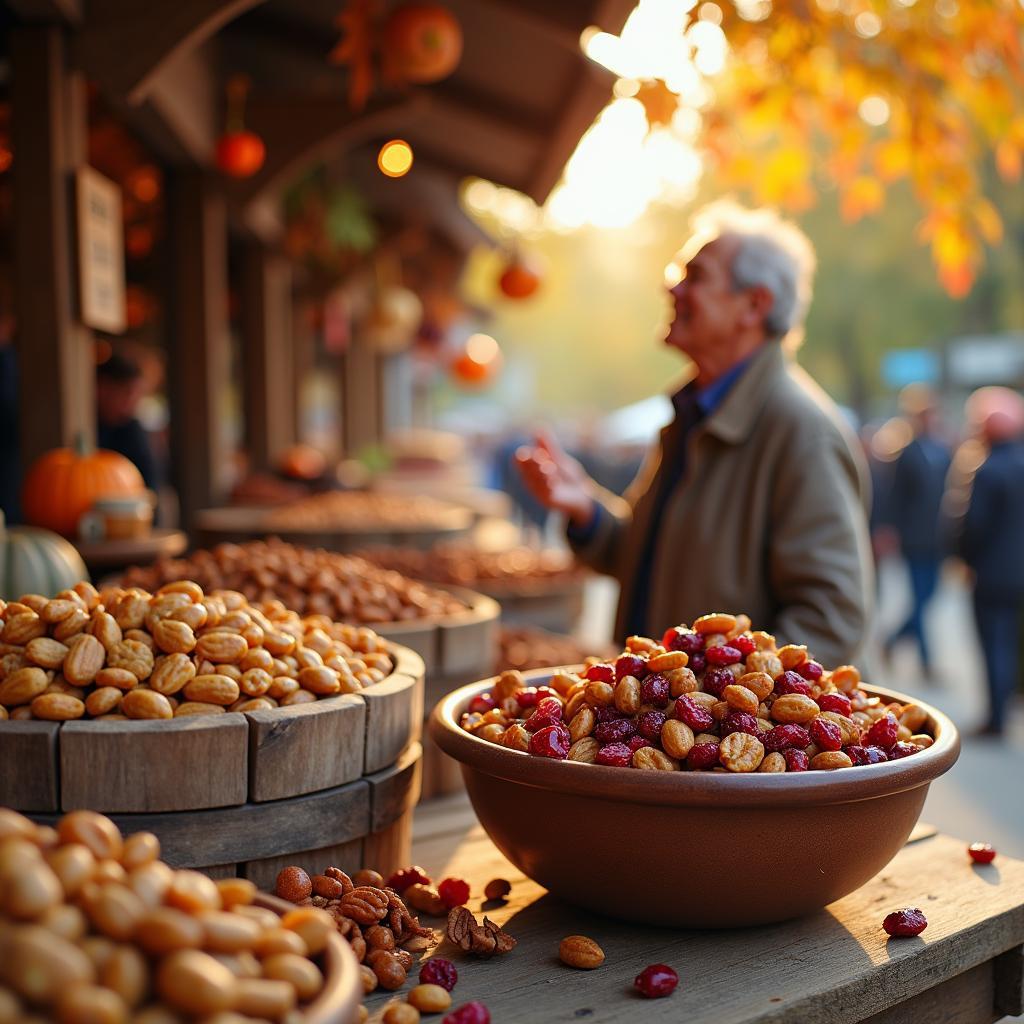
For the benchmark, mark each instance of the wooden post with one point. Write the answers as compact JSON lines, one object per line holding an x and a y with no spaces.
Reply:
{"x":55,"y":353}
{"x":198,"y":341}
{"x":267,"y":359}
{"x":303,"y":359}
{"x":360,"y":396}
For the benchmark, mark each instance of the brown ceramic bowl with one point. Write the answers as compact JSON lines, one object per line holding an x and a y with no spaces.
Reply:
{"x":692,"y":849}
{"x":339,"y":999}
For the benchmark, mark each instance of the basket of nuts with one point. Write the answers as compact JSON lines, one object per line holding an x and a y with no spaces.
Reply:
{"x":713,"y":742}
{"x":95,"y":927}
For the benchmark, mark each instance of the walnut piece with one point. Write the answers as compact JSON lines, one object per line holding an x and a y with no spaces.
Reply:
{"x":484,"y":940}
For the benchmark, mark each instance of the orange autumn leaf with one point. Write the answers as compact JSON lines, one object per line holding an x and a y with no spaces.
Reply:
{"x":863,"y":196}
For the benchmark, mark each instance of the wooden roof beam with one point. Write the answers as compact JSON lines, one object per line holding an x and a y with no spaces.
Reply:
{"x":124,"y":44}
{"x":48,"y":10}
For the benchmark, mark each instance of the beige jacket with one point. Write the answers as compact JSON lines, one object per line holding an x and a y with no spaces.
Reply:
{"x":769,"y":518}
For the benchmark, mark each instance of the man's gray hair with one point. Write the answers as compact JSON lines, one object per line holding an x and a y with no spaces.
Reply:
{"x":772,"y":253}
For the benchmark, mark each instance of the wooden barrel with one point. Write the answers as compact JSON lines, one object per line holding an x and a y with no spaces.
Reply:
{"x":555,"y":605}
{"x":217,"y":525}
{"x":456,"y":649}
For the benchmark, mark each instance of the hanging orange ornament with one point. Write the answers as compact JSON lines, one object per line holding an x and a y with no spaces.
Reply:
{"x":240,"y":152}
{"x":478,"y":362}
{"x":518,"y":279}
{"x":421,"y":43}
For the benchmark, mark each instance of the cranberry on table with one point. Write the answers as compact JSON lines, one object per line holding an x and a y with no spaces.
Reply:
{"x":468,"y":1013}
{"x":438,"y":971}
{"x":615,"y":755}
{"x":698,"y":718}
{"x":403,"y":878}
{"x":454,"y":892}
{"x":656,"y":981}
{"x":551,"y":741}
{"x":982,"y":853}
{"x":796,"y":760}
{"x":906,"y":923}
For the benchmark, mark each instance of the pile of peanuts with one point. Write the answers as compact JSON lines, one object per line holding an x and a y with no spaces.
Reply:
{"x":465,"y":565}
{"x":523,"y":648}
{"x":128,"y":654}
{"x":362,"y":510}
{"x":310,"y":581}
{"x":95,"y":928}
{"x":373,"y":917}
{"x":715,"y":696}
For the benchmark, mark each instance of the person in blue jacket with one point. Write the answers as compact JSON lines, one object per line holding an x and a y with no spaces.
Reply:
{"x":992,"y":545}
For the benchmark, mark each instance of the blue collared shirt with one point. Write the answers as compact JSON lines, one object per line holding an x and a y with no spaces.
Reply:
{"x":692,"y":404}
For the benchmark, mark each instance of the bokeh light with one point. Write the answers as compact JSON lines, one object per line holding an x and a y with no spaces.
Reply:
{"x":395,"y":158}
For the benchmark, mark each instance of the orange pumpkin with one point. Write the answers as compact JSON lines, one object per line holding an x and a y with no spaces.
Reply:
{"x":518,"y":281}
{"x":421,"y":42}
{"x":302,"y":462}
{"x":63,"y":484}
{"x":240,"y":154}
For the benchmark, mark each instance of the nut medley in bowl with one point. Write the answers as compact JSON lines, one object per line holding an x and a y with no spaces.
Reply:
{"x":94,"y":927}
{"x":124,"y":653}
{"x":310,"y":581}
{"x":716,"y":696}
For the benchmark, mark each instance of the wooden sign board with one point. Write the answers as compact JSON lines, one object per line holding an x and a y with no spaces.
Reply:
{"x":100,"y":252}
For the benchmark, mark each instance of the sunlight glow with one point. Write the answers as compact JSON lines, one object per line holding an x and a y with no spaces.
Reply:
{"x":482,"y":349}
{"x":874,"y":110}
{"x":867,"y":24}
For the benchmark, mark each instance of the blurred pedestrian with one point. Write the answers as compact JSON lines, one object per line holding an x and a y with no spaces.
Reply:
{"x":914,"y":510}
{"x":754,"y":501}
{"x":120,"y":387}
{"x":992,"y":543}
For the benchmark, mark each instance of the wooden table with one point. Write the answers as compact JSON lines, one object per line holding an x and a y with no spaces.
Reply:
{"x":836,"y":967}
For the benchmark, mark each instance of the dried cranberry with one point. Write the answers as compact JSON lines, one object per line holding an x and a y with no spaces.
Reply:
{"x":724,"y":655}
{"x":905,"y":923}
{"x":702,"y":755}
{"x":656,"y":981}
{"x":468,"y":1013}
{"x":630,"y":665}
{"x":866,"y":755}
{"x":655,"y":690}
{"x":608,"y":714}
{"x":744,"y":644}
{"x":982,"y":853}
{"x":739,"y":721}
{"x":438,"y":971}
{"x":812,"y":670}
{"x":614,"y":732}
{"x":602,"y":672}
{"x":826,"y":734}
{"x":785,"y":737}
{"x":836,"y":702}
{"x":403,"y":878}
{"x":883,"y":733}
{"x":616,"y":755}
{"x":698,"y":718}
{"x":550,"y":707}
{"x":527,"y":698}
{"x":538,"y":721}
{"x":551,"y":741}
{"x":649,"y":723}
{"x":716,"y":680}
{"x":679,"y":638}
{"x":792,"y":682}
{"x":482,"y":703}
{"x":697,"y":662}
{"x":636,"y":742}
{"x":796,"y":760}
{"x":454,"y":892}
{"x":901,"y":750}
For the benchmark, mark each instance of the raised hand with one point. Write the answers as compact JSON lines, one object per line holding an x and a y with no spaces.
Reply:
{"x":556,"y":479}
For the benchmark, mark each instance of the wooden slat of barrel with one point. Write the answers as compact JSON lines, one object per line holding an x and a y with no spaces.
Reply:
{"x":394,"y":716}
{"x":469,"y":641}
{"x":396,"y":789}
{"x":29,"y":766}
{"x":347,"y":856}
{"x":419,"y":635}
{"x":306,"y":747}
{"x":190,"y":763}
{"x":235,"y":835}
{"x":391,"y":848}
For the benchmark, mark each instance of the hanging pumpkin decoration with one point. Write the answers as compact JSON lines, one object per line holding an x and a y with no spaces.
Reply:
{"x":36,"y":562}
{"x":518,"y":279}
{"x":302,"y":462}
{"x":420,"y":43}
{"x":61,"y":485}
{"x":240,"y":152}
{"x":478,"y":363}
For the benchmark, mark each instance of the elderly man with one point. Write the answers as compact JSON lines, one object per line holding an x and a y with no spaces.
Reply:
{"x":754,"y":500}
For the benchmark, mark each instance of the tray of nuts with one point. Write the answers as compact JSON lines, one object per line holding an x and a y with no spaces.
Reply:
{"x":93,"y":680}
{"x":96,"y":928}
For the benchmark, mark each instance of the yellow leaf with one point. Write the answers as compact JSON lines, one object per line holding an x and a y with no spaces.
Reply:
{"x":864,"y":195}
{"x":990,"y":224}
{"x":1008,"y":161}
{"x":892,"y":159}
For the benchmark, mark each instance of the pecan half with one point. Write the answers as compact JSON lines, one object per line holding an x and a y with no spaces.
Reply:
{"x":484,"y":940}
{"x":365,"y":905}
{"x":339,"y":876}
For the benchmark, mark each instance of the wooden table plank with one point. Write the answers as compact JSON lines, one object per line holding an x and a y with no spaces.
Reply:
{"x":834,"y":967}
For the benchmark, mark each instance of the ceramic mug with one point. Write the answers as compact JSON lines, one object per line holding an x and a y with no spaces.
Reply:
{"x":118,"y":518}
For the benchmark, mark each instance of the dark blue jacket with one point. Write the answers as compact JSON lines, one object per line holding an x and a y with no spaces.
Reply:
{"x":916,"y":487}
{"x":992,"y":542}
